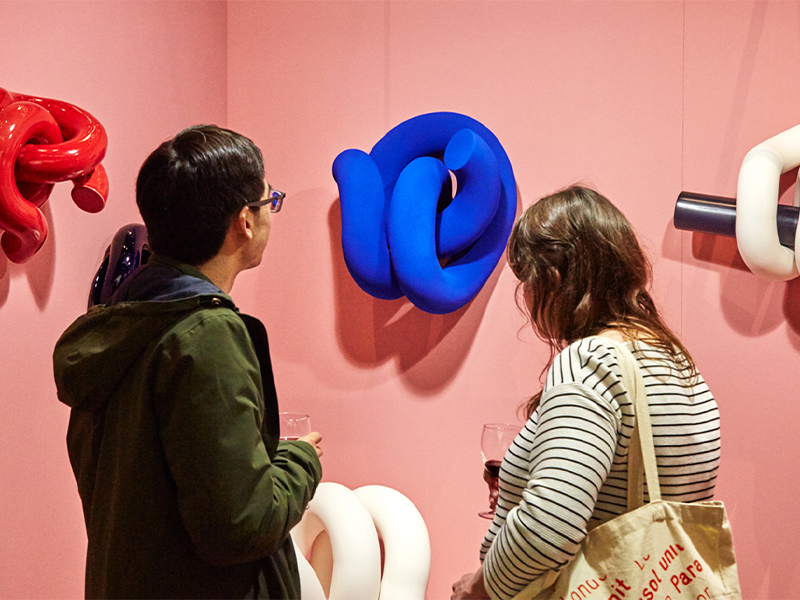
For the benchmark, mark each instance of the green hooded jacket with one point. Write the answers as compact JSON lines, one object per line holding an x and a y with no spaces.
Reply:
{"x":173,"y":439}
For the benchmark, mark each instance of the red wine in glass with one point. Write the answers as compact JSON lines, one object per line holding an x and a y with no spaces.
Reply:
{"x":496,"y":439}
{"x":493,"y":466}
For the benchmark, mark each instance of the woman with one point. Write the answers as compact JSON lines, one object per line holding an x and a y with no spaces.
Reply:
{"x":582,"y":273}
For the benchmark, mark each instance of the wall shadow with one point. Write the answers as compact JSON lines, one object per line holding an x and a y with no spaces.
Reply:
{"x":715,"y":250}
{"x":429,"y":349}
{"x":751,"y":305}
{"x":791,"y":308}
{"x":39,"y":270}
{"x":4,"y":279}
{"x":774,"y":301}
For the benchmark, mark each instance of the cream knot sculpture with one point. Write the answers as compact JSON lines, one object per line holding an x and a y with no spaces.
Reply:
{"x":338,"y":545}
{"x":757,"y":195}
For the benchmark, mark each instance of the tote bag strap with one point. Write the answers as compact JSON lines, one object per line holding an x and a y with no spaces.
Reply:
{"x":641,"y":451}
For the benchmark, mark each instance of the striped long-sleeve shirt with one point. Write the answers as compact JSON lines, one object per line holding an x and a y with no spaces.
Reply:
{"x":567,"y":470}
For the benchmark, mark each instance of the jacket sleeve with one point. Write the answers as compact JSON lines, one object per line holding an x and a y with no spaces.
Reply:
{"x":235,"y":502}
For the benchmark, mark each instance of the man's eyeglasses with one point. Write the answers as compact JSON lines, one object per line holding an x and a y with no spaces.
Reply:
{"x":274,"y":199}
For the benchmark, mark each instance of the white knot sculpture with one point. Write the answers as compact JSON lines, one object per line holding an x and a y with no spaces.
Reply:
{"x":338,"y":545}
{"x":757,"y":195}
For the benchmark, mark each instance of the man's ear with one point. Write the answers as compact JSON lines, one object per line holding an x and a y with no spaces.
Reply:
{"x":243,"y":222}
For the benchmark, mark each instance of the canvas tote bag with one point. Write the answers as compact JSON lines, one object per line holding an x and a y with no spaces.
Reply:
{"x":656,"y":551}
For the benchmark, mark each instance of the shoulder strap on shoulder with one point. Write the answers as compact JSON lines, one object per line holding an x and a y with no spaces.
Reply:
{"x":641,"y":452}
{"x":258,"y":335}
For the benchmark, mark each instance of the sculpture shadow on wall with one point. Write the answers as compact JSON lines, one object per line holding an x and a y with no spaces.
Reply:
{"x":429,"y":349}
{"x":45,"y":142}
{"x":39,"y":270}
{"x":752,"y":306}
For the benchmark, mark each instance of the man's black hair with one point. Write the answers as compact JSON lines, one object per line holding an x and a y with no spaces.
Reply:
{"x":191,"y":186}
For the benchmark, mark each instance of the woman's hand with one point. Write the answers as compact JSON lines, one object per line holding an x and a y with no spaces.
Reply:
{"x":470,"y":587}
{"x":313,"y":438}
{"x":494,"y":488}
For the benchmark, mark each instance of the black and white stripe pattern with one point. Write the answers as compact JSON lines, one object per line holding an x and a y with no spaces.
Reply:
{"x":567,"y":470}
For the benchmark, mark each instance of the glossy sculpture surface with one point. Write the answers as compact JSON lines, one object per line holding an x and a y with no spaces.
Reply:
{"x":766,"y":231}
{"x":44,"y":142}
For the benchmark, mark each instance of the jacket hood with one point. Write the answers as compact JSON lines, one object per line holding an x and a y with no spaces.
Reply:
{"x":97,"y":350}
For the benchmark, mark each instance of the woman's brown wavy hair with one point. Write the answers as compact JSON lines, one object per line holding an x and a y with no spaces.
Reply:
{"x":581,"y":271}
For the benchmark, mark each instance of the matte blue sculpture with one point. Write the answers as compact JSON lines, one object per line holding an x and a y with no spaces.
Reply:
{"x":403,"y":232}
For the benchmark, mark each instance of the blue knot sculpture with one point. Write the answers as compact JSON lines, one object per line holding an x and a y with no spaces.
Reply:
{"x":403,"y":231}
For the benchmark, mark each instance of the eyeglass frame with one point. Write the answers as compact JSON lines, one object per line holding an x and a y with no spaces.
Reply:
{"x":274,"y":199}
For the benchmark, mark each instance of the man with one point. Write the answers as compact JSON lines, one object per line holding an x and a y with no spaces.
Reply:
{"x":173,"y":433}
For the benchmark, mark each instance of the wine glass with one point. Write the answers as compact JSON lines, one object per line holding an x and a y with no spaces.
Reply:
{"x":496,"y":439}
{"x":294,"y":425}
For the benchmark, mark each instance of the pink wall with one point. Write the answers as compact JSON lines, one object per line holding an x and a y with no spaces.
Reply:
{"x":641,"y":99}
{"x":145,"y":70}
{"x":742,"y":66}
